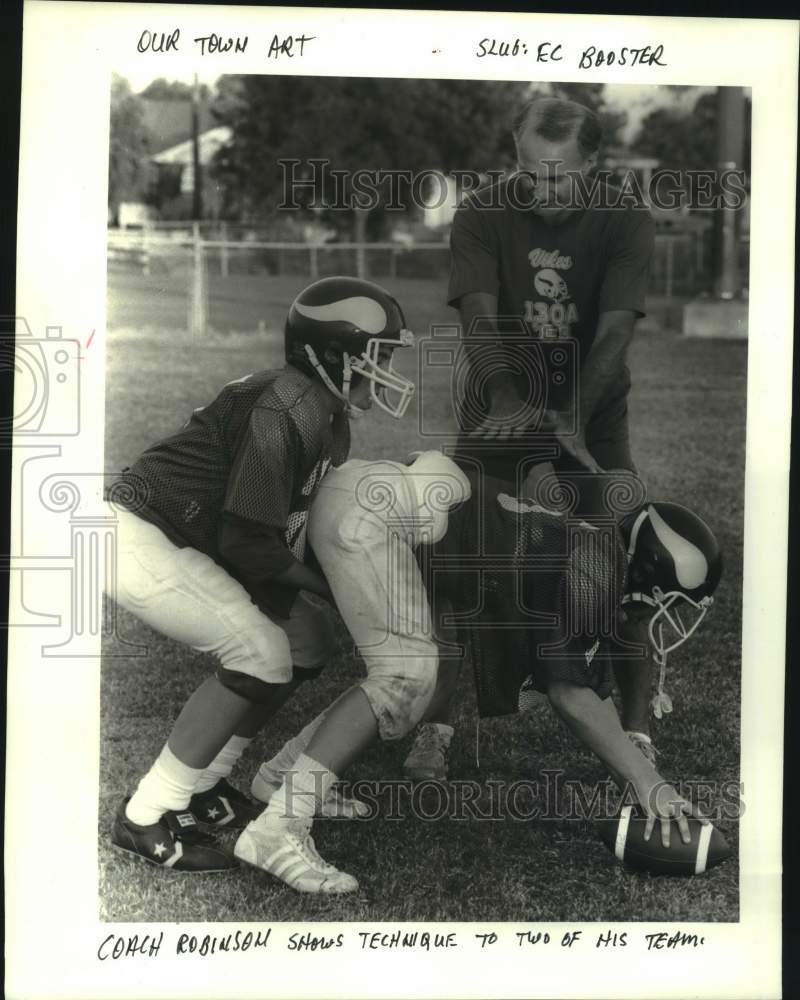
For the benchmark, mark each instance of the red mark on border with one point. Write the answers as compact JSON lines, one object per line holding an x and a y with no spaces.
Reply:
{"x":89,"y":341}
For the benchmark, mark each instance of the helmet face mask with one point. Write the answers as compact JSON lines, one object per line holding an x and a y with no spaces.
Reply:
{"x":388,"y":388}
{"x":667,"y":628}
{"x":339,"y":330}
{"x":674,"y":566}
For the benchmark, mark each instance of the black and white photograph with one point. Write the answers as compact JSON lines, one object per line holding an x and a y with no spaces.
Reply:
{"x":412,"y":477}
{"x":232,"y":518}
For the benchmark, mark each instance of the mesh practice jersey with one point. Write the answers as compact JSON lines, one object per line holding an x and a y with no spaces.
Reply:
{"x":536,"y":593}
{"x":258,"y":451}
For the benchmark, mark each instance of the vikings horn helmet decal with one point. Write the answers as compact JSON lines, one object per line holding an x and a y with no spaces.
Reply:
{"x":674,"y":566}
{"x":343,"y":328}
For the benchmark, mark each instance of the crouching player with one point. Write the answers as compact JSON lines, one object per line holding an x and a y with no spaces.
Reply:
{"x":542,"y":615}
{"x":365,"y":525}
{"x":212,"y":547}
{"x":673,"y":567}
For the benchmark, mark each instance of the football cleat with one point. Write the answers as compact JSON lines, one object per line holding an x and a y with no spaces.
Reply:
{"x":335,"y":806}
{"x":287,"y":851}
{"x":343,"y":328}
{"x":644,"y":744}
{"x":224,"y":806}
{"x":174,"y":842}
{"x":427,"y":759}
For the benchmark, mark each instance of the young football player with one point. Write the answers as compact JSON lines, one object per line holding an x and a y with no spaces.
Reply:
{"x":541,"y":616}
{"x":673,"y":567}
{"x":211,"y":553}
{"x":383,"y":599}
{"x":367,"y":521}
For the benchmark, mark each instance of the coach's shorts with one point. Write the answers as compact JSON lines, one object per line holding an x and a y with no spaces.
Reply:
{"x":186,"y":596}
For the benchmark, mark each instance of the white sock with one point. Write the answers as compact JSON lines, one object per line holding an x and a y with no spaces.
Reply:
{"x":303,"y":790}
{"x":272,"y":771}
{"x":222,"y":765}
{"x":169,"y":784}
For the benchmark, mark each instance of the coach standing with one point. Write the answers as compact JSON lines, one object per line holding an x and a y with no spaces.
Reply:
{"x":549,"y":252}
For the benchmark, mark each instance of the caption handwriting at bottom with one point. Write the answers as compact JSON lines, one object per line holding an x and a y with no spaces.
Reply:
{"x":117,"y":947}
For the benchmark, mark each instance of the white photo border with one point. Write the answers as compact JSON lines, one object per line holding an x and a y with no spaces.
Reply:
{"x":52,"y":929}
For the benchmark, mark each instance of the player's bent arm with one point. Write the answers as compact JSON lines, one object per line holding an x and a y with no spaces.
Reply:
{"x":259,"y":555}
{"x":478,"y":312}
{"x":594,"y":721}
{"x":596,"y":724}
{"x":606,"y":359}
{"x":302,"y":577}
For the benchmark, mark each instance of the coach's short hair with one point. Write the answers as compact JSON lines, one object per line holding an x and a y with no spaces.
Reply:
{"x":556,"y":120}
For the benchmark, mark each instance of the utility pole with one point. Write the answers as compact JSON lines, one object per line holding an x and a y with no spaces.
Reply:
{"x":724,"y":315}
{"x":730,"y":156}
{"x":197,"y":187}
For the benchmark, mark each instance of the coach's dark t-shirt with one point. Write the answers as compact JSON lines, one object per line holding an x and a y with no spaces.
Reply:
{"x":551,"y":281}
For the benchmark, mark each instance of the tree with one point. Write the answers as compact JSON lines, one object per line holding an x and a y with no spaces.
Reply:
{"x":172,"y":90}
{"x":129,"y":145}
{"x":354,"y":124}
{"x":686,"y":141}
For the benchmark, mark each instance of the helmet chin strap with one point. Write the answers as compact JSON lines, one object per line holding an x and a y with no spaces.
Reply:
{"x":367,"y":365}
{"x":344,"y":393}
{"x":668,"y":609}
{"x":661,"y":703}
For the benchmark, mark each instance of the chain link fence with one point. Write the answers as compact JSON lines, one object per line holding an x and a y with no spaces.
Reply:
{"x":208,"y":267}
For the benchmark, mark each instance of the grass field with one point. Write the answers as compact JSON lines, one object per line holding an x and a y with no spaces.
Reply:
{"x":688,"y":424}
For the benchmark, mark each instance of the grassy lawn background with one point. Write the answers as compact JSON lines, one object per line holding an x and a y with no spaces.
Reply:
{"x":688,"y":420}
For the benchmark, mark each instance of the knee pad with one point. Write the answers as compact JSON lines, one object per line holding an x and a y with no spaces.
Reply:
{"x":311,"y":635}
{"x":399,"y":703}
{"x":247,"y":686}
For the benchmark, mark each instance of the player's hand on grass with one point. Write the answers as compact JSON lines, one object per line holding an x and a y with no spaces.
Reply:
{"x":573,"y":442}
{"x":662,"y":803}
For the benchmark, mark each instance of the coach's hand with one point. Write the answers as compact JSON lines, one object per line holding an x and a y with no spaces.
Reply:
{"x":662,"y":803}
{"x":509,"y":417}
{"x":573,"y":443}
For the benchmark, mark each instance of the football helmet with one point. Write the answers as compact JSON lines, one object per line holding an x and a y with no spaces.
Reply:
{"x":674,"y":566}
{"x":343,"y":328}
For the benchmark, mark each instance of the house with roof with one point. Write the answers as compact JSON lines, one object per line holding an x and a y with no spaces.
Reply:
{"x":169,"y":122}
{"x":171,"y":163}
{"x":173,"y":169}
